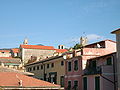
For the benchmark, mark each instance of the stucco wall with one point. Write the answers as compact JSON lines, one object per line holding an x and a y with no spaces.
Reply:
{"x":5,"y":54}
{"x":73,"y":75}
{"x":118,"y":58}
{"x":57,"y":68}
{"x":39,"y":53}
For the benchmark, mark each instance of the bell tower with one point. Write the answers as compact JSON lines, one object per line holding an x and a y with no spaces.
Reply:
{"x":83,"y":41}
{"x":25,"y":41}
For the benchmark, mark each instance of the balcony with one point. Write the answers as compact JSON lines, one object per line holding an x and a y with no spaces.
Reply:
{"x":92,"y":71}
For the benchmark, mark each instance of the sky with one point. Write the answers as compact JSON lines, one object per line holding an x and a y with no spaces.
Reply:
{"x":55,"y":22}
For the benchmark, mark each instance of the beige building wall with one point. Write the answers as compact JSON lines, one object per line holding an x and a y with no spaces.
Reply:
{"x":39,"y":53}
{"x":58,"y":68}
{"x":38,"y":73}
{"x":5,"y":54}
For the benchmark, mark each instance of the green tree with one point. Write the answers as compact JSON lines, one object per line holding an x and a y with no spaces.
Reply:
{"x":77,"y":46}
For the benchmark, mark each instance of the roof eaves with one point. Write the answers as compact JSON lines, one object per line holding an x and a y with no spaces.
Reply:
{"x":100,"y":41}
{"x":44,"y":60}
{"x":115,"y":31}
{"x":102,"y":56}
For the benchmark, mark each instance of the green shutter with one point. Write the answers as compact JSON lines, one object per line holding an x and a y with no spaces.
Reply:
{"x":69,"y":85}
{"x":69,"y":66}
{"x":76,"y":65}
{"x":84,"y":83}
{"x":62,"y":81}
{"x":97,"y":83}
{"x":109,"y":61}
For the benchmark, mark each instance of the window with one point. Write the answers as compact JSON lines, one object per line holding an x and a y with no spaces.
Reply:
{"x":37,"y":67}
{"x":17,"y":54}
{"x":62,"y":81}
{"x":76,"y":65}
{"x":84,"y":83}
{"x":41,"y":66}
{"x":97,"y":83}
{"x":109,"y":61}
{"x":69,"y":66}
{"x":75,"y":85}
{"x":92,"y":64}
{"x":33,"y":68}
{"x":47,"y":65}
{"x":52,"y":65}
{"x":30,"y":69}
{"x":62,"y":63}
{"x":69,"y":85}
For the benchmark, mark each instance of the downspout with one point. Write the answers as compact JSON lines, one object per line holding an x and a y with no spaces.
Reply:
{"x":114,"y":72}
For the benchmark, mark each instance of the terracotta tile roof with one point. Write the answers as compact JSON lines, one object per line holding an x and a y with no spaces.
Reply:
{"x":15,"y":50}
{"x":10,"y":60}
{"x":61,"y":50}
{"x":6,"y":69}
{"x":37,"y":47}
{"x":13,"y":79}
{"x":5,"y":57}
{"x":4,"y":50}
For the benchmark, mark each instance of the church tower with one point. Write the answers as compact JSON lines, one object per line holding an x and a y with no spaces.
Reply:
{"x":25,"y":41}
{"x":83,"y":41}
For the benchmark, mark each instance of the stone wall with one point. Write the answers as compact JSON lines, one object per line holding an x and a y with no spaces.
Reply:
{"x":39,"y":53}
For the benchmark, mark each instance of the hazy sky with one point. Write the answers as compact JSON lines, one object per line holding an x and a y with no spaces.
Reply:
{"x":54,"y":22}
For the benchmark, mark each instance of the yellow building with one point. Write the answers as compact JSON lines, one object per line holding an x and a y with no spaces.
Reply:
{"x":51,"y":69}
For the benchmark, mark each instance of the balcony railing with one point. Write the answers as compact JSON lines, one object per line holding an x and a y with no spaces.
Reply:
{"x":93,"y":71}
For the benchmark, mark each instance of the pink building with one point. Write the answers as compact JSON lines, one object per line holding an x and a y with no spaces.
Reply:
{"x":76,"y":62}
{"x":99,"y":73}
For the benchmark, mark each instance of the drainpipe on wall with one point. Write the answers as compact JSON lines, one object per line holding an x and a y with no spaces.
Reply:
{"x":115,"y":88}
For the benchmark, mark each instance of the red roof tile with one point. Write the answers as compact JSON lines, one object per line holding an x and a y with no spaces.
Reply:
{"x":15,"y":50}
{"x":4,"y":50}
{"x":37,"y":47}
{"x":61,"y":50}
{"x":12,"y":79}
{"x":5,"y":57}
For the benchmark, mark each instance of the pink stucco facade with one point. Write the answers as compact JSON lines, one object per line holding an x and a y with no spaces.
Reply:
{"x":107,"y":73}
{"x":88,"y":52}
{"x":74,"y":75}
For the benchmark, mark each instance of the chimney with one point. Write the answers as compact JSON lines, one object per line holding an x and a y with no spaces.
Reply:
{"x":61,"y":47}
